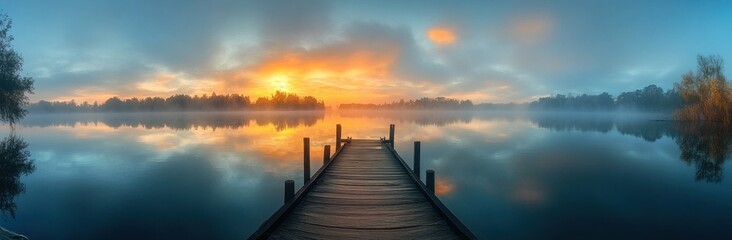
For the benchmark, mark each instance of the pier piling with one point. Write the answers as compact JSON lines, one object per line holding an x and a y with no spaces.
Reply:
{"x":306,"y":159}
{"x":417,"y":155}
{"x":431,"y":181}
{"x":326,"y":154}
{"x":289,"y":190}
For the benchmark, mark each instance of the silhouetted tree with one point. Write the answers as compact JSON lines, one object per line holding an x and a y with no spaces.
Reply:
{"x":13,"y":86}
{"x":14,"y":156}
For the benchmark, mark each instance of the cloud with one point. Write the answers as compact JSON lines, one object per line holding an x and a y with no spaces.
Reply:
{"x":374,"y":61}
{"x":531,"y":30}
{"x":84,"y":47}
{"x":441,"y":35}
{"x":293,"y":22}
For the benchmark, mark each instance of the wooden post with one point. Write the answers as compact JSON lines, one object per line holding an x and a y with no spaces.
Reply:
{"x":306,"y":160}
{"x":391,"y":135}
{"x":431,"y":181}
{"x":338,"y":137}
{"x":326,"y":154}
{"x":417,"y":150}
{"x":289,"y":190}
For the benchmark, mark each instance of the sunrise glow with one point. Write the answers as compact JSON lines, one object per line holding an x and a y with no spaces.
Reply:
{"x":336,"y":53}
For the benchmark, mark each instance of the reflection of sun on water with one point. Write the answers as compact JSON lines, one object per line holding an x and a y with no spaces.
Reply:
{"x":272,"y":143}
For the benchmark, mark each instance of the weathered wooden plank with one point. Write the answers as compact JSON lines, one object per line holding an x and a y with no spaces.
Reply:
{"x":370,"y":221}
{"x":363,"y":202}
{"x":365,"y":193}
{"x":311,"y":231}
{"x":353,"y":189}
{"x":367,"y":183}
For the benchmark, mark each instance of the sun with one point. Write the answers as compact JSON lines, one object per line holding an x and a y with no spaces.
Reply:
{"x":280,"y":82}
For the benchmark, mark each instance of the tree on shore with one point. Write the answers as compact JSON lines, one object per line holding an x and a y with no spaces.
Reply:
{"x":706,"y":93}
{"x":13,"y":86}
{"x":14,"y":155}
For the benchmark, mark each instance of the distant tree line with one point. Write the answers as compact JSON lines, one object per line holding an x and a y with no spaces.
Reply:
{"x":181,"y":102}
{"x":650,"y":98}
{"x":422,"y":103}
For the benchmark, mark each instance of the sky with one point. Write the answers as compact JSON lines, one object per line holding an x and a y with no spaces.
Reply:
{"x":362,"y":51}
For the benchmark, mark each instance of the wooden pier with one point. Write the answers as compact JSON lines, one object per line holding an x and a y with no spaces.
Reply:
{"x":364,"y":191}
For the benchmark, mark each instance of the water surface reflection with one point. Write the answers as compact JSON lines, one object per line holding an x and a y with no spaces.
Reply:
{"x":14,"y":162}
{"x":507,"y":175}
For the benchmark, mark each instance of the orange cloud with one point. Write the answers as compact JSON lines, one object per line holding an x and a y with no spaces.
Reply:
{"x":370,"y":64}
{"x":441,"y":35}
{"x":532,"y":30}
{"x":338,"y":73}
{"x":161,"y":83}
{"x":89,"y":95}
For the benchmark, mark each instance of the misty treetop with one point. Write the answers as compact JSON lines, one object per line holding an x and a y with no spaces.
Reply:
{"x":583,"y":102}
{"x":181,"y":102}
{"x":422,"y":103}
{"x":13,"y":86}
{"x":651,"y":97}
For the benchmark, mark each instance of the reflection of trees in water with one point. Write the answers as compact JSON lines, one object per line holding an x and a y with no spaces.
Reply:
{"x":706,"y":146}
{"x":14,"y":162}
{"x":180,"y":121}
{"x":287,"y":121}
{"x":563,"y":122}
{"x":647,"y":130}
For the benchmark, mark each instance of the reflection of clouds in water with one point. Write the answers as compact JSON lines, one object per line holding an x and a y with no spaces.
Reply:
{"x":185,"y":196}
{"x":443,"y":186}
{"x":161,"y":141}
{"x":527,"y":192}
{"x":499,"y":174}
{"x":566,"y":174}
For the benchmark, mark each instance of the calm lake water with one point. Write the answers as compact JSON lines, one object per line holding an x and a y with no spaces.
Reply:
{"x":505,"y":175}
